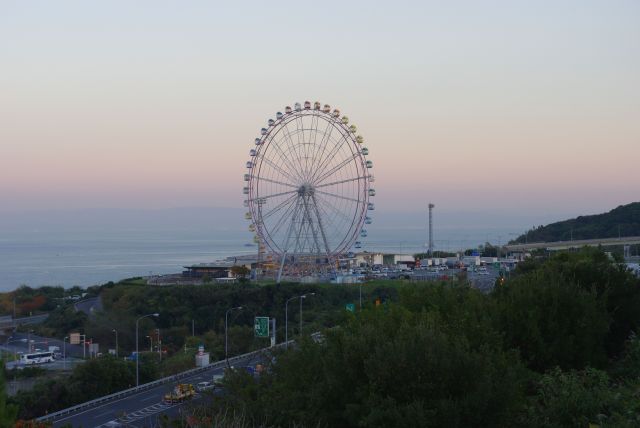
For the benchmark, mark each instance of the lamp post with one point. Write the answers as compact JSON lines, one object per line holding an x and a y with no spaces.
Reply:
{"x":29,"y":340}
{"x":137,"y":351}
{"x":64,"y":353}
{"x":286,"y":316}
{"x":159,"y":343}
{"x":226,"y":336}
{"x":303,"y":297}
{"x":116,"y":332}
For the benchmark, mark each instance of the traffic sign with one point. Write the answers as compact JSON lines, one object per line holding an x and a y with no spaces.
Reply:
{"x":350,"y":307}
{"x":261,"y":326}
{"x":74,"y":338}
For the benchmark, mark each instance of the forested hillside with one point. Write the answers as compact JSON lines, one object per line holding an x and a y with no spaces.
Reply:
{"x":621,"y":221}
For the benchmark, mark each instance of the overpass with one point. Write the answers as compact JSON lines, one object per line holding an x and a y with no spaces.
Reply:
{"x":576,"y":243}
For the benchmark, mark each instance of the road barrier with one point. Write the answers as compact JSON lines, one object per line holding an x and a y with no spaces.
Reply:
{"x":317,"y":336}
{"x":131,"y":391}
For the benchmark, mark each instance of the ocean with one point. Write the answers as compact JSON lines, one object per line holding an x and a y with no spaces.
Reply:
{"x":94,"y":247}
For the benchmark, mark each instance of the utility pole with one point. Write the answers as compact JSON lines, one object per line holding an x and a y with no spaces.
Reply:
{"x":430,"y":246}
{"x":159,"y":343}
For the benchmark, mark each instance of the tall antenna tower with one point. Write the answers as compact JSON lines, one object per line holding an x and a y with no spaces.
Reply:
{"x":430,"y":247}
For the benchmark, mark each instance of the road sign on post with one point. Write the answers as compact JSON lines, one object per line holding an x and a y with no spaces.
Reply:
{"x":74,"y":338}
{"x":350,"y":307}
{"x":261,"y":326}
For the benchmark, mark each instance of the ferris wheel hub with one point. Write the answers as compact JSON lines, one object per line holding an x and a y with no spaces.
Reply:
{"x":306,"y":190}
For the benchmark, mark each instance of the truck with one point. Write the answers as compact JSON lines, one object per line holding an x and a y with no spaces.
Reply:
{"x":181,"y":392}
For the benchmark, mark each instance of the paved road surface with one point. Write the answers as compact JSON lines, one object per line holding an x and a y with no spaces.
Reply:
{"x":40,"y":342}
{"x":141,"y":409}
{"x":89,"y":306}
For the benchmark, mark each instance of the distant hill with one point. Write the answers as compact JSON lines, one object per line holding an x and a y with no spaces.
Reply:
{"x":621,"y":221}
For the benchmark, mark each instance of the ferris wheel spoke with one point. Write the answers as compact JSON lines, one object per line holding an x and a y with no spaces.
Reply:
{"x":336,"y":168}
{"x":339,"y":213}
{"x":273,"y":195}
{"x":278,"y":168}
{"x":268,"y":180}
{"x":338,"y":196}
{"x":348,"y":180}
{"x":286,"y":158}
{"x":350,"y":221}
{"x":289,"y":232}
{"x":294,"y":148}
{"x":323,"y":143}
{"x":312,"y":149}
{"x":278,"y":207}
{"x":289,"y":212}
{"x":324,"y":163}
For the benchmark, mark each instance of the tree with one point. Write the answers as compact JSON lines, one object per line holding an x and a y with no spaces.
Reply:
{"x":240,"y":271}
{"x":552,"y":322}
{"x":8,"y":412}
{"x":387,"y":367}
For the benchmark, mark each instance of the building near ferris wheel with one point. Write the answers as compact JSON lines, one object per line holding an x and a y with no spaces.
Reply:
{"x":309,"y":188}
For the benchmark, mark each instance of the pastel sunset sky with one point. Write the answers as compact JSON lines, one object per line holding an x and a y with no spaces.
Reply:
{"x":525,"y":107}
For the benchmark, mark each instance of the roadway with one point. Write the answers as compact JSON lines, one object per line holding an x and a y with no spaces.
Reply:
{"x":16,"y":322}
{"x":143,"y":408}
{"x":579,"y":243}
{"x":89,"y":306}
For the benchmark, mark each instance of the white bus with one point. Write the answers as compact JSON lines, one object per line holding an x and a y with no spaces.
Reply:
{"x":37,"y":358}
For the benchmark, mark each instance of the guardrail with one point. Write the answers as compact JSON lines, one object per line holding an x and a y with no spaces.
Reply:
{"x":93,"y":403}
{"x":14,"y":322}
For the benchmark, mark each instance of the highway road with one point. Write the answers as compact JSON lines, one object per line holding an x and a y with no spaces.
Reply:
{"x":12,"y":324}
{"x":564,"y":245}
{"x":142,"y":408}
{"x":89,"y":306}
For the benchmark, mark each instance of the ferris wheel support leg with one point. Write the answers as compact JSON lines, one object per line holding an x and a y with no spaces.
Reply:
{"x":284,"y":255}
{"x":324,"y":236}
{"x":286,"y":245}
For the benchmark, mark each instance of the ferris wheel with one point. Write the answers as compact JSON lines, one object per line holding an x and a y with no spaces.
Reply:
{"x":308,"y":184}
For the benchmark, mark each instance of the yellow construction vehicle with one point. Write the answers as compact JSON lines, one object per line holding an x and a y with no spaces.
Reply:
{"x":181,"y":392}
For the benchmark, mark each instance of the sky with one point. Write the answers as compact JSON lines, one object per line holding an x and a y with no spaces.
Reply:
{"x":524,"y":108}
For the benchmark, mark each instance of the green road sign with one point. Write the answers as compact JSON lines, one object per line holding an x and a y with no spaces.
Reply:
{"x":261,"y":326}
{"x":350,"y":307}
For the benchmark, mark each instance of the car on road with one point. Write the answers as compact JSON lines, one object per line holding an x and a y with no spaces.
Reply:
{"x":205,"y":386}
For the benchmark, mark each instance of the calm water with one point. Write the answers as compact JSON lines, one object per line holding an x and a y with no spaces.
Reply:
{"x":93,"y":258}
{"x":86,"y":249}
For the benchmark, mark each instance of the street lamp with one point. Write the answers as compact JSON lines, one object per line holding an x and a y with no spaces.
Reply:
{"x":303,"y":297}
{"x":226,"y":336}
{"x":286,"y":316}
{"x":29,"y":340}
{"x":137,"y":351}
{"x":116,"y":332}
{"x":64,"y":353}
